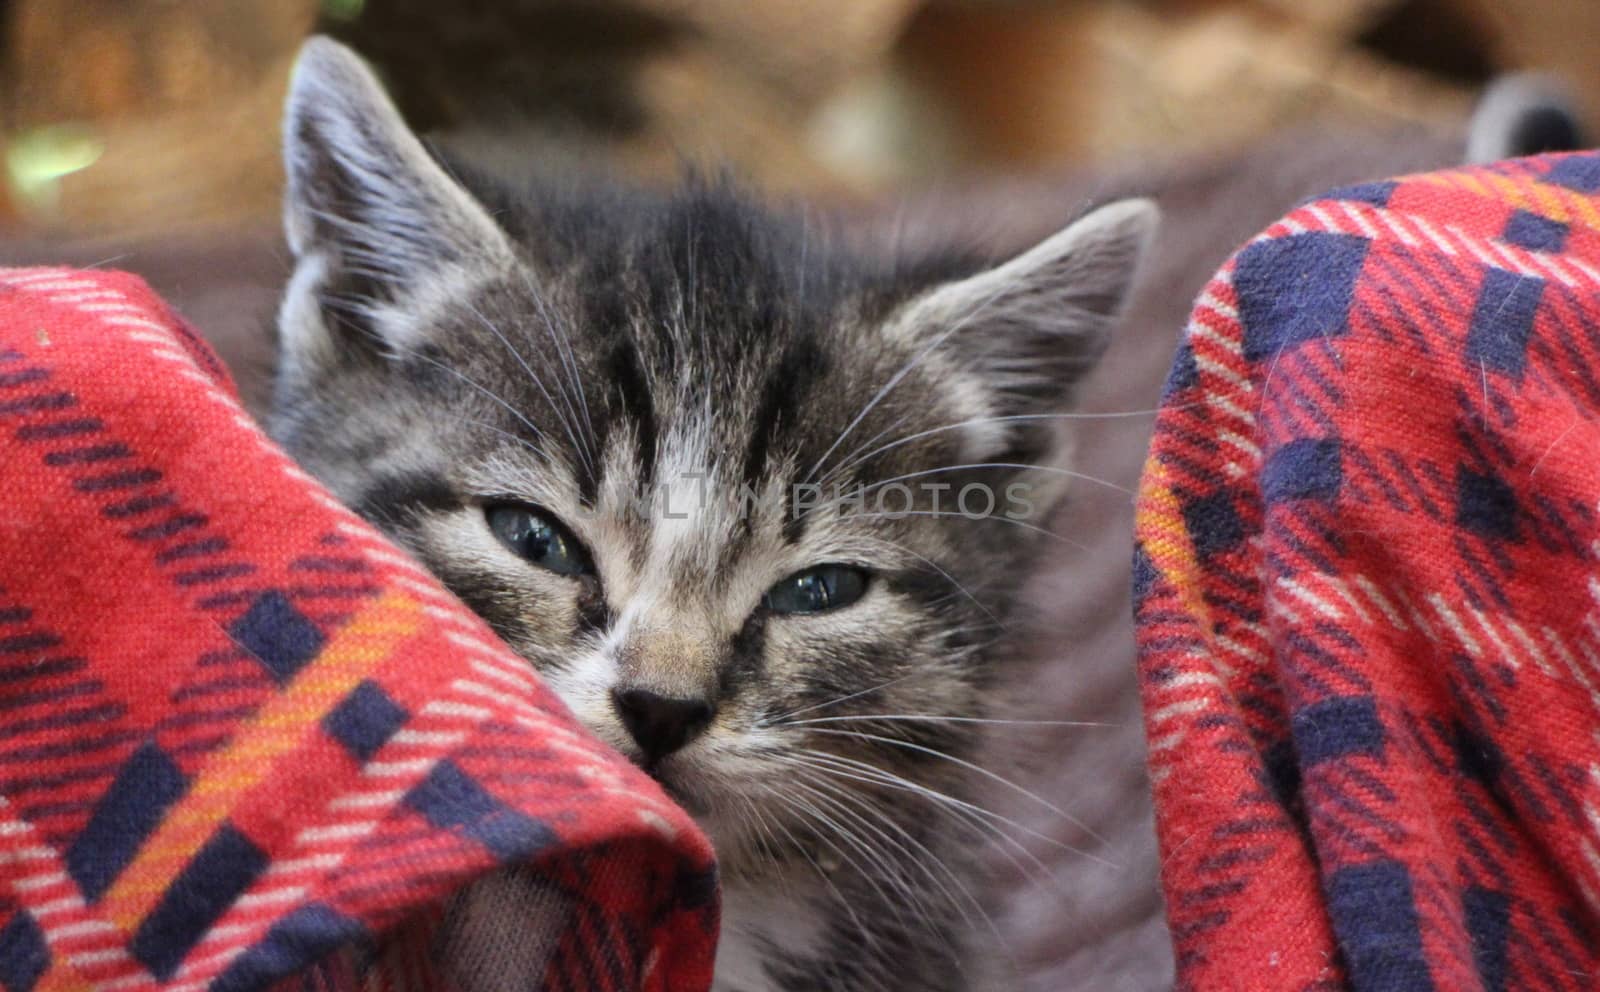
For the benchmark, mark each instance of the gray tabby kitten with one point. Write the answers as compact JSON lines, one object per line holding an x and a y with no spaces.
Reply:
{"x":595,"y":415}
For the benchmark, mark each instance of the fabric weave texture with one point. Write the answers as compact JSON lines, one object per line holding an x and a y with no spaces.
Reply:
{"x":1367,"y":594}
{"x":246,"y":743}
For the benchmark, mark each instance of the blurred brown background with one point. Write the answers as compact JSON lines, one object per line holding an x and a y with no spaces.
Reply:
{"x":124,"y":117}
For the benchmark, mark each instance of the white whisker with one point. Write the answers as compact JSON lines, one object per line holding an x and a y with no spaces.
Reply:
{"x":970,"y":766}
{"x":794,"y":842}
{"x":566,"y":422}
{"x":896,"y":514}
{"x":835,"y":701}
{"x":1049,"y":469}
{"x":491,"y":394}
{"x":569,"y":361}
{"x":939,"y":718}
{"x":854,"y":459}
{"x":870,"y":774}
{"x":853,"y":806}
{"x":948,"y":578}
{"x":536,"y":449}
{"x":871,"y":874}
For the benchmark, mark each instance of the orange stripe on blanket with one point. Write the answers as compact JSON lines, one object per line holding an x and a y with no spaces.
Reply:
{"x":1554,"y":202}
{"x":62,"y":977}
{"x":1160,"y":527}
{"x":277,"y":729}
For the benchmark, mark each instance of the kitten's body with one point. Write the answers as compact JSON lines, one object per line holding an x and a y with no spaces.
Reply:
{"x":656,"y":380}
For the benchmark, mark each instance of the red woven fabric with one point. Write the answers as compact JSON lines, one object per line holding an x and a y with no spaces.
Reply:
{"x":242,"y":737}
{"x":1367,"y":596}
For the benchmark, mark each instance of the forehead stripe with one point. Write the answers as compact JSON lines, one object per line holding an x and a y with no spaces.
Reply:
{"x":628,"y":380}
{"x":790,"y":378}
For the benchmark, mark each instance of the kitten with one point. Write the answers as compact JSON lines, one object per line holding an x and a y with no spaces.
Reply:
{"x":756,"y":508}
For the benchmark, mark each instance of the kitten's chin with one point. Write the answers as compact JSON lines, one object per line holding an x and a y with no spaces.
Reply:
{"x":722,"y":815}
{"x":689,"y":787}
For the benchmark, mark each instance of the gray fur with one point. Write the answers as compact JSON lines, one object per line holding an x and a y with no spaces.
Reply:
{"x":660,"y":372}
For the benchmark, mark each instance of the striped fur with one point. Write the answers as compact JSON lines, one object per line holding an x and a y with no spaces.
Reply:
{"x":667,"y":375}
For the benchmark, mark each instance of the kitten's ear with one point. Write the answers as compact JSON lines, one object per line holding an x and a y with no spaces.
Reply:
{"x":1027,"y":330}
{"x":373,"y":221}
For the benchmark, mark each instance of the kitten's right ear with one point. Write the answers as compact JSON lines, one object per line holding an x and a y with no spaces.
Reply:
{"x":373,"y":220}
{"x":1023,"y":333}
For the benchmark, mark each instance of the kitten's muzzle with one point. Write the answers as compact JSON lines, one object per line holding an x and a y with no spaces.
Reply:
{"x":660,"y":724}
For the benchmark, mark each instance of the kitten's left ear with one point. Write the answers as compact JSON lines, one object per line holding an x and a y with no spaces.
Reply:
{"x":370,"y":215}
{"x":1027,"y":330}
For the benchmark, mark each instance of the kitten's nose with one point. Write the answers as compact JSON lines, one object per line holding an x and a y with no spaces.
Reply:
{"x":660,"y":724}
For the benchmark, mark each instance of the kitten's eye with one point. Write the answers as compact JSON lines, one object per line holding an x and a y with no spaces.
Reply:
{"x":826,"y":587}
{"x":539,"y":539}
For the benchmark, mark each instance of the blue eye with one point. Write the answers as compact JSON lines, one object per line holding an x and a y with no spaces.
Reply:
{"x":539,"y":539}
{"x":826,"y":587}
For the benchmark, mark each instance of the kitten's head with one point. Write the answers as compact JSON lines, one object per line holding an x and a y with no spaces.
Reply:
{"x":619,"y":426}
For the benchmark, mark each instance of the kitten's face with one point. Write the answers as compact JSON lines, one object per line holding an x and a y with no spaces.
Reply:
{"x":616,"y":427}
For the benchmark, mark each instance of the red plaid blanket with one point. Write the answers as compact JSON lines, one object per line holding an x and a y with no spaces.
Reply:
{"x":242,"y":737}
{"x":1368,"y":598}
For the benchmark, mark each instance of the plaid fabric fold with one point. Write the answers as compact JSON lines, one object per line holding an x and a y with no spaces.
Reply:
{"x":244,"y":740}
{"x":1367,"y":593}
